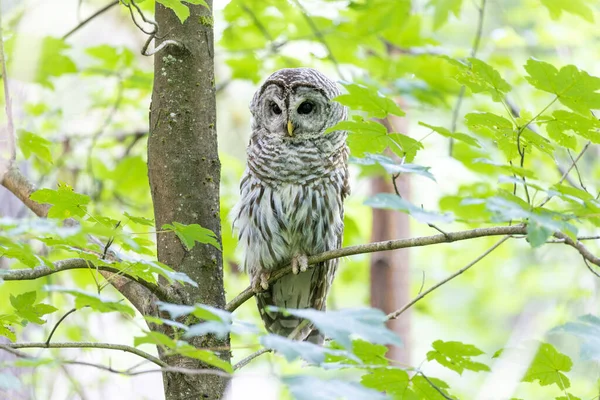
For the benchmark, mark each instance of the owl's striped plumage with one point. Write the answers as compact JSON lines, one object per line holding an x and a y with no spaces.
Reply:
{"x":292,"y":191}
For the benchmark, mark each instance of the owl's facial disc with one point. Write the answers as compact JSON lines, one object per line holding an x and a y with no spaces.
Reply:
{"x":307,"y":112}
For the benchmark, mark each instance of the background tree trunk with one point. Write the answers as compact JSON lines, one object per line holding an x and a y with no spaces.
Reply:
{"x":184,"y":172}
{"x":390,"y":270}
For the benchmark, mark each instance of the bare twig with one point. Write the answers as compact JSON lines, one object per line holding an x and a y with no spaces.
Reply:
{"x":90,"y":18}
{"x":10,"y":129}
{"x":85,"y":345}
{"x":577,"y":171}
{"x":398,"y":312}
{"x":564,"y":176}
{"x":11,"y":348}
{"x":320,"y":37}
{"x":251,"y":357}
{"x":71,"y":311}
{"x":434,"y":386}
{"x":474,"y":50}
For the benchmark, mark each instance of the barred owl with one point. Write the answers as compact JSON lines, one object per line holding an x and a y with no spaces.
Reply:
{"x":292,"y":193}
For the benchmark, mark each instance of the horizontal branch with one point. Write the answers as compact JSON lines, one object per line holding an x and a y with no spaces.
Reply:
{"x":412,"y":242}
{"x":78,"y":263}
{"x":87,"y":345}
{"x":384,"y":246}
{"x":129,"y":372}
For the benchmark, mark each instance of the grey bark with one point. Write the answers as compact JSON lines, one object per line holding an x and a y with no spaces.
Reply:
{"x":184,"y":172}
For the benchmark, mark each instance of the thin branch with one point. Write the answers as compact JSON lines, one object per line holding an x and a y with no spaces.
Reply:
{"x":474,"y":50}
{"x":251,"y":357}
{"x":320,"y":37}
{"x":128,"y":372}
{"x":71,"y":311}
{"x":398,"y":312}
{"x":79,"y":263}
{"x":20,"y":186}
{"x":564,"y":176}
{"x":577,"y":171}
{"x":9,"y":116}
{"x":434,"y":386}
{"x":90,"y":18}
{"x":84,"y":345}
{"x":385,"y":246}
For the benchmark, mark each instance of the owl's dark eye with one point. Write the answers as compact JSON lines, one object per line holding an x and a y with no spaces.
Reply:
{"x":275,"y":108}
{"x":305,"y":108}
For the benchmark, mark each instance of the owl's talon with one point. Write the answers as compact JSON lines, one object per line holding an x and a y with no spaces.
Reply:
{"x":264,"y":281}
{"x":260,"y":283}
{"x":299,"y":264}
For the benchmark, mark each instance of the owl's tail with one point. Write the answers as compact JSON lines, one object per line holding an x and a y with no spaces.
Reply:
{"x":306,"y":290}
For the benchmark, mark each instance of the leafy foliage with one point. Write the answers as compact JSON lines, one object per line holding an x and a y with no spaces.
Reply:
{"x":548,"y":367}
{"x":456,"y":356}
{"x":190,"y":234}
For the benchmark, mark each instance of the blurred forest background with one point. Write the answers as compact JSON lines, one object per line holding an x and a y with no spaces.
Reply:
{"x":80,"y":101}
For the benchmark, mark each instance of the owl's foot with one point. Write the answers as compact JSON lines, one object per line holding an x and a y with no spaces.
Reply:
{"x":260,"y":282}
{"x":299,"y":264}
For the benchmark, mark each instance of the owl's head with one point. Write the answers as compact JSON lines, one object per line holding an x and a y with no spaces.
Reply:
{"x":296,"y":104}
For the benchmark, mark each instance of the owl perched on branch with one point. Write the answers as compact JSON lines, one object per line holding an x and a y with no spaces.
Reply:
{"x":292,"y":193}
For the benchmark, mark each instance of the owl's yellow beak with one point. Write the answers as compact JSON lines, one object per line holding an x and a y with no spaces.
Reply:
{"x":290,"y":128}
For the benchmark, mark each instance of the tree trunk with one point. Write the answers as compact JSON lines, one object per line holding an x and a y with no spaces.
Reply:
{"x":390,"y":270}
{"x":184,"y":172}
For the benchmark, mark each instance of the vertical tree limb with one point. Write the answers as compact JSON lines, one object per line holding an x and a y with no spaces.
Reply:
{"x":184,"y":172}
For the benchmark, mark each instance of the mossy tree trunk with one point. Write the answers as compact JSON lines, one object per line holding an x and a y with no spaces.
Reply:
{"x":184,"y":172}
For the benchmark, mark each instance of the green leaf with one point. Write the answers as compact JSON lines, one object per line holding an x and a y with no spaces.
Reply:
{"x":574,"y":88}
{"x":22,"y":252}
{"x":391,"y":201}
{"x":548,"y":367}
{"x":26,"y":308}
{"x":190,"y":234}
{"x":139,"y":220}
{"x":586,"y":328}
{"x":480,"y":78}
{"x":505,"y":134}
{"x":65,"y":202}
{"x":568,"y":397}
{"x":245,"y":67}
{"x":367,"y":353}
{"x":456,"y":356}
{"x":443,"y":9}
{"x":294,"y":349}
{"x":93,"y":300}
{"x":392,"y":166}
{"x":575,"y":7}
{"x":369,"y":100}
{"x":155,"y":338}
{"x":367,"y":136}
{"x":38,"y":59}
{"x":30,"y":143}
{"x":205,"y":356}
{"x":563,"y":122}
{"x":537,"y":234}
{"x":463,"y":137}
{"x":426,"y":391}
{"x":339,"y":325}
{"x":313,"y":388}
{"x":111,"y":58}
{"x":394,"y":382}
{"x":181,"y":10}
